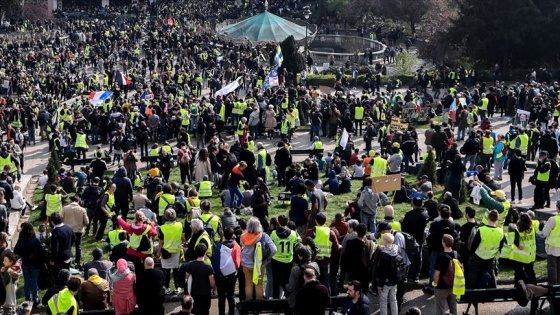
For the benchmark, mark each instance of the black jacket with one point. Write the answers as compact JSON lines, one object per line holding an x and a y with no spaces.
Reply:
{"x":283,"y":158}
{"x":124,"y":185}
{"x":62,"y":240}
{"x":414,"y":223}
{"x":437,"y":229}
{"x":517,"y":168}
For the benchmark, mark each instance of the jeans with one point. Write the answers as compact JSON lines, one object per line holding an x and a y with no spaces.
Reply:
{"x":552,"y":265}
{"x":407,"y":159}
{"x":444,"y":299}
{"x":461,"y":134}
{"x":280,"y":276}
{"x":433,"y":258}
{"x":324,"y":276}
{"x":388,"y":293}
{"x":235,"y":191}
{"x":416,"y":264}
{"x":31,"y":135}
{"x":369,"y":220}
{"x":90,"y":214}
{"x":482,"y":114}
{"x":226,"y":290}
{"x":471,"y":158}
{"x":253,"y":131}
{"x":30,"y":278}
{"x":268,"y":289}
{"x":94,"y":134}
{"x":78,"y":244}
{"x":477,"y":264}
{"x":263,"y":174}
{"x":315,"y":131}
{"x":498,"y":168}
{"x":513,"y":184}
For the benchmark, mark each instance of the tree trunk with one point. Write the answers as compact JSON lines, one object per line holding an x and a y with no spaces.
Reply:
{"x":413,"y":27}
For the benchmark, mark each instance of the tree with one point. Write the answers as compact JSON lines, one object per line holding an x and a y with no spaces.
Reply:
{"x":429,"y":168}
{"x":9,"y":8}
{"x":405,"y":63}
{"x":52,"y":168}
{"x":411,"y":11}
{"x":294,"y":61}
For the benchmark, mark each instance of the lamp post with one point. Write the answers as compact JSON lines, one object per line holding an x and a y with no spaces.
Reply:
{"x":306,"y":14}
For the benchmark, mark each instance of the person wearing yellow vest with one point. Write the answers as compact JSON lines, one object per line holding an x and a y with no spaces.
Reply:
{"x":100,"y":153}
{"x":199,"y":236}
{"x":389,"y":218}
{"x":379,"y":167}
{"x":165,"y":200}
{"x":500,"y":156}
{"x":141,"y":233}
{"x":205,"y":188}
{"x":211,"y":220}
{"x":317,"y":145}
{"x":483,"y":106}
{"x":256,"y":244}
{"x":113,"y":237}
{"x":285,"y":241}
{"x":262,"y":168}
{"x":185,"y":117}
{"x":551,"y":231}
{"x":81,"y":144}
{"x":64,"y":302}
{"x":522,"y":142}
{"x":487,"y":149}
{"x":242,"y":130}
{"x":105,"y":211}
{"x":446,"y":294}
{"x":327,"y":245}
{"x":524,"y":251}
{"x":542,"y":178}
{"x":358,"y":118}
{"x":486,"y":246}
{"x":285,"y":128}
{"x":53,"y":200}
{"x":169,"y":249}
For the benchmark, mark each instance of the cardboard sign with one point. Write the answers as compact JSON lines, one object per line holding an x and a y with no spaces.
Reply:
{"x":396,"y":124}
{"x":523,"y":114}
{"x":386,"y":183}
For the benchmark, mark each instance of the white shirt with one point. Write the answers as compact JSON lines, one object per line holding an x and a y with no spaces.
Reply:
{"x":43,"y":180}
{"x":18,"y":202}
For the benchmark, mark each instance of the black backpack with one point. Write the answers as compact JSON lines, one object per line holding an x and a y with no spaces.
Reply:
{"x":398,"y":268}
{"x":411,"y":246}
{"x":208,"y":227}
{"x":268,"y":159}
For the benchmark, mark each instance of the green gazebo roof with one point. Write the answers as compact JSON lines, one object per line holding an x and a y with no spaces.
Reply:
{"x":264,"y":27}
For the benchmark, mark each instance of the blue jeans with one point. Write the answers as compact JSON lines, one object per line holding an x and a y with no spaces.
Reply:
{"x":471,"y":158}
{"x":315,"y":131}
{"x":235,"y":191}
{"x":407,"y":159}
{"x":30,"y":277}
{"x":253,"y":131}
{"x":461,"y":134}
{"x":433,"y":258}
{"x":31,"y":135}
{"x":94,"y":134}
{"x":262,"y":173}
{"x":369,"y":221}
{"x":324,"y":276}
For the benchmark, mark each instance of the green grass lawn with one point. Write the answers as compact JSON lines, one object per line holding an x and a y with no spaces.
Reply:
{"x":336,"y":204}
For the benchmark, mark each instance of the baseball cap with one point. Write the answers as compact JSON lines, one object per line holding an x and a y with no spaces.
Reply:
{"x":384,"y":226}
{"x":499,"y":193}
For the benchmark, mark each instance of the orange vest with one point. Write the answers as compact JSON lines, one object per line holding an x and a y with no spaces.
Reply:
{"x":367,"y":166}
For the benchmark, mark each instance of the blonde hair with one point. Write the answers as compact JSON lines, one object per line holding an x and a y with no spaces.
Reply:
{"x":388,"y":239}
{"x":17,"y":187}
{"x":389,"y":211}
{"x":139,"y":217}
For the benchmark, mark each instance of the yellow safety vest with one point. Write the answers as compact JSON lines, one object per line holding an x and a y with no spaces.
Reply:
{"x":487,"y":145}
{"x":214,"y":221}
{"x":535,"y":224}
{"x":81,"y":141}
{"x":154,"y":152}
{"x":138,"y":181}
{"x":167,"y":149}
{"x":317,"y":145}
{"x":8,"y":161}
{"x":114,"y":236}
{"x":285,"y":246}
{"x":323,"y":242}
{"x":523,"y":143}
{"x":528,"y":241}
{"x":240,"y":129}
{"x":359,"y":113}
{"x":379,"y":167}
{"x":395,"y":225}
{"x":54,"y":203}
{"x":61,"y":302}
{"x":544,"y":177}
{"x":508,"y":246}
{"x":285,"y":127}
{"x":484,"y":105}
{"x":185,"y":120}
{"x":135,"y":241}
{"x":172,"y":236}
{"x":490,"y":239}
{"x":501,"y":216}
{"x":209,"y":251}
{"x":501,"y":154}
{"x":164,"y":201}
{"x":205,"y":189}
{"x":251,"y":145}
{"x":554,"y":238}
{"x":458,"y":279}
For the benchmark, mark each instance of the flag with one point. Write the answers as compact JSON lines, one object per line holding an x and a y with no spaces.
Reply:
{"x":146,"y":96}
{"x":278,"y":57}
{"x":229,"y":88}
{"x":271,"y":79}
{"x":453,"y":110}
{"x":344,"y":139}
{"x":96,"y":98}
{"x":122,"y":79}
{"x":55,"y":121}
{"x":170,"y":21}
{"x":418,"y":108}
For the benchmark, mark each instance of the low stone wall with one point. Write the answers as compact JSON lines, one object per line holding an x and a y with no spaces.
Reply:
{"x":350,"y":43}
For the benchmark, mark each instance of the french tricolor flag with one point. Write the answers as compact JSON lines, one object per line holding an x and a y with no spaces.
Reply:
{"x":96,"y":98}
{"x":122,"y":79}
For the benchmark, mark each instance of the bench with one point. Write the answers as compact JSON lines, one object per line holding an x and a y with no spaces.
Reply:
{"x":280,"y":305}
{"x":499,"y":295}
{"x":284,"y":196}
{"x":85,"y":161}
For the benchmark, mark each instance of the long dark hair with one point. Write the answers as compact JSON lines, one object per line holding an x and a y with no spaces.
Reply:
{"x":524,"y":224}
{"x":27,"y":231}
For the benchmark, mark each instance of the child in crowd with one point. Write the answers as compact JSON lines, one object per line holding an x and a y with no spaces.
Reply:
{"x":322,"y":164}
{"x":11,"y":272}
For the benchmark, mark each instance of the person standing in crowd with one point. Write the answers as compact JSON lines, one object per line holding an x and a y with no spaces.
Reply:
{"x":169,"y":249}
{"x":124,"y":192}
{"x":105,"y":211}
{"x":187,"y":304}
{"x":203,"y":282}
{"x":368,"y":205}
{"x":285,"y":241}
{"x":32,"y":254}
{"x":485,"y":247}
{"x":225,"y":263}
{"x":551,"y":231}
{"x":312,"y":290}
{"x":62,"y":240}
{"x":123,"y":280}
{"x":317,"y":200}
{"x":357,"y":303}
{"x":141,"y":233}
{"x":443,"y":295}
{"x":90,"y":196}
{"x":516,"y":171}
{"x":541,"y":179}
{"x":149,"y":292}
{"x":524,"y":252}
{"x":414,"y":223}
{"x":76,"y":217}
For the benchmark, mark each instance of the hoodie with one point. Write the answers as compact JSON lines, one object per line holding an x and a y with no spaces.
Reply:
{"x":248,"y":240}
{"x":124,"y":190}
{"x":332,"y":183}
{"x":137,"y":230}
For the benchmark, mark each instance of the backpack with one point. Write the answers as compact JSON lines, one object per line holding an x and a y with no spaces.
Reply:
{"x":268,"y":159}
{"x":266,"y":251}
{"x":231,"y":159}
{"x":449,"y":274}
{"x":505,"y":149}
{"x":398,"y":268}
{"x":410,"y":245}
{"x":474,"y":230}
{"x":208,"y":227}
{"x":185,"y":158}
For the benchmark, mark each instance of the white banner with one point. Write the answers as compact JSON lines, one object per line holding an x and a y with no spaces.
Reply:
{"x":228,"y":88}
{"x":344,"y":139}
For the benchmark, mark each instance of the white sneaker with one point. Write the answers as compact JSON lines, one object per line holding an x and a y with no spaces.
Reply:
{"x":178,"y":291}
{"x":167,"y":291}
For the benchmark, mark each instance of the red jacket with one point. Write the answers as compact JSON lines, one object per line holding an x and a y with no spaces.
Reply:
{"x":138,"y":230}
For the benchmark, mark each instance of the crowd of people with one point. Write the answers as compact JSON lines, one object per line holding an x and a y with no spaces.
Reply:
{"x":157,"y":64}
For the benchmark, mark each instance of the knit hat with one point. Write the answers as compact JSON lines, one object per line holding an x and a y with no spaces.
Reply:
{"x":122,"y":265}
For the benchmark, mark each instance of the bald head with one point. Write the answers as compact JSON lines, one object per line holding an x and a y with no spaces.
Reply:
{"x":149,"y":263}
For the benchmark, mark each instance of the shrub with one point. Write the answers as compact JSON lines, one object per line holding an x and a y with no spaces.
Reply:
{"x":405,"y":63}
{"x":429,"y":168}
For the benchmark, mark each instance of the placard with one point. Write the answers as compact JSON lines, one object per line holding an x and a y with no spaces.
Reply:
{"x":386,"y":183}
{"x":396,"y":124}
{"x":412,"y":115}
{"x":523,"y":115}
